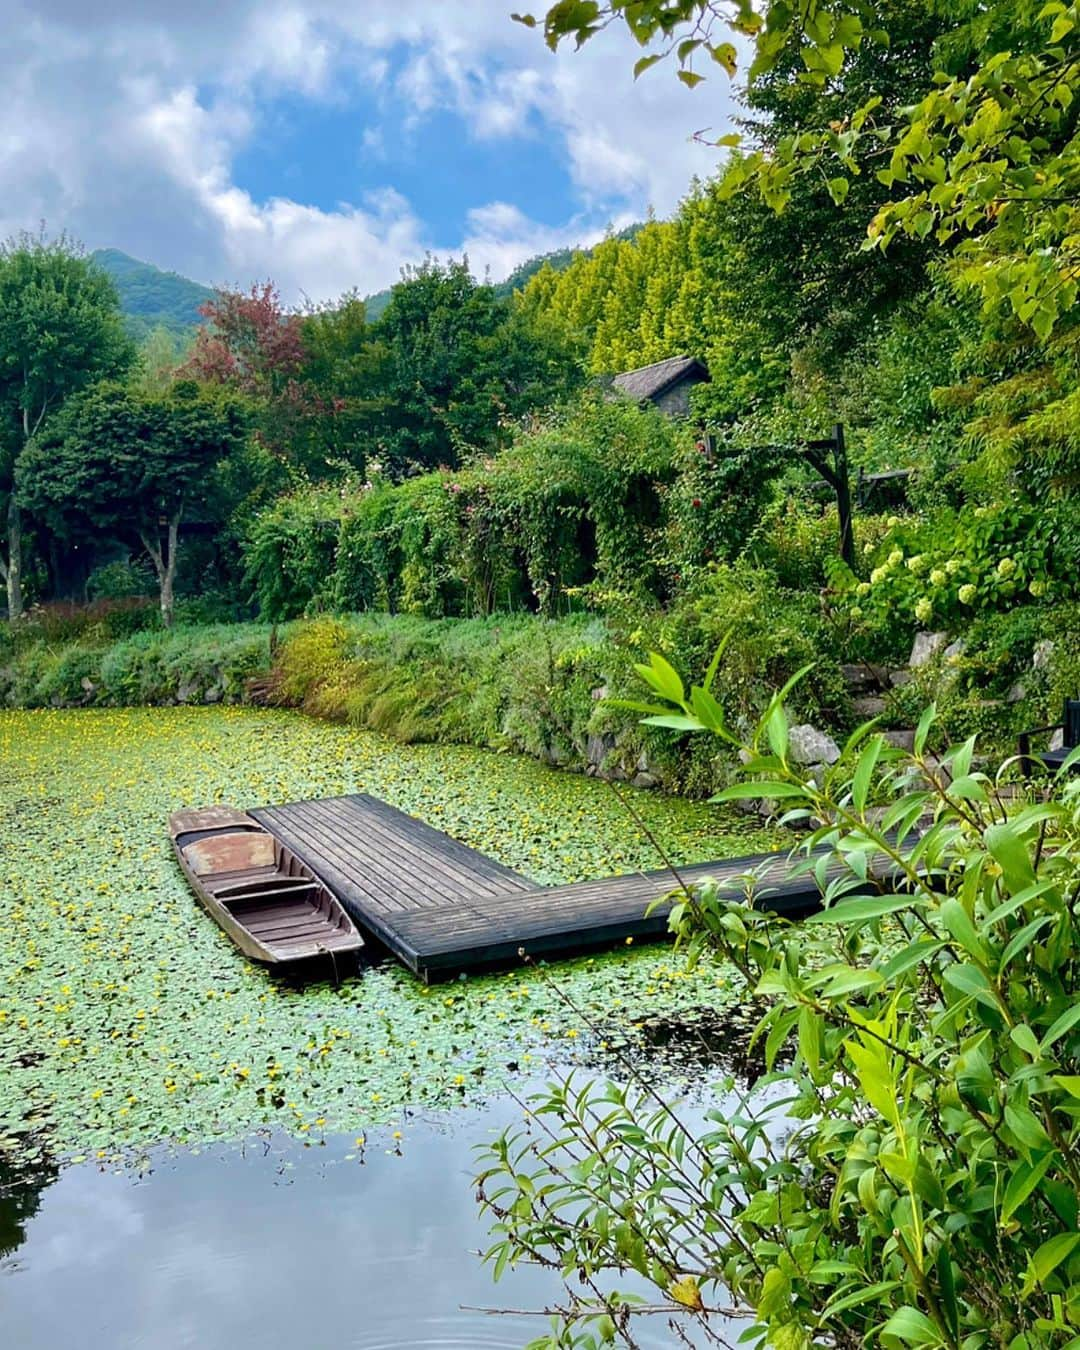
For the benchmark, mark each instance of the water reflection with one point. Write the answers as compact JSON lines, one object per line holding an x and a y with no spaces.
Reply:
{"x":275,"y":1246}
{"x":21,"y":1187}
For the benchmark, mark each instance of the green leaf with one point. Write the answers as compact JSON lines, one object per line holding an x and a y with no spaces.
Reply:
{"x":1023,"y":1036}
{"x":674,"y":722}
{"x":922,"y":731}
{"x":1010,"y":853}
{"x":724,"y":54}
{"x":912,"y":1327}
{"x":1024,"y":1179}
{"x":763,"y":1209}
{"x":959,"y":927}
{"x":750,"y":791}
{"x":970,"y":981}
{"x":849,"y":981}
{"x":1064,"y":1023}
{"x":838,"y":189}
{"x":875,"y":1077}
{"x":662,"y":676}
{"x":777,"y":728}
{"x":864,"y":772}
{"x":863,"y":910}
{"x":1051,"y":1254}
{"x":853,"y":1298}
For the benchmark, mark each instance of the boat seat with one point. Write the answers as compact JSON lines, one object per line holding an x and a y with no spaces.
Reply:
{"x":234,"y":852}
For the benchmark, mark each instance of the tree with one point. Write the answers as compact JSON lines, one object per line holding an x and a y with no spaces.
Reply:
{"x":251,"y":344}
{"x":986,"y":154}
{"x":456,"y":366}
{"x":60,"y":330}
{"x":131,"y":462}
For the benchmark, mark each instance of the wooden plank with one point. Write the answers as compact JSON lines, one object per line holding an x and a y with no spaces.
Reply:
{"x":391,"y":828}
{"x":372,"y":886}
{"x":448,"y":846}
{"x":419,"y":864}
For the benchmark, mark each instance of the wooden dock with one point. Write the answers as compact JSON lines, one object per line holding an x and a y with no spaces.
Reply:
{"x":442,"y":907}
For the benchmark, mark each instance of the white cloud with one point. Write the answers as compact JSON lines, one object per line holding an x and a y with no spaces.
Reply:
{"x":123,"y":122}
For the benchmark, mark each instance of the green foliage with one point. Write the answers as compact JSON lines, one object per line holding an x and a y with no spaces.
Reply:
{"x":119,"y":656}
{"x":116,"y":459}
{"x":984,"y":157}
{"x":118,"y":580}
{"x":588,"y":496}
{"x":152,"y":298}
{"x":909,"y":1176}
{"x":941,"y":571}
{"x":60,"y":331}
{"x":768,"y":633}
{"x":514,"y":682}
{"x":449,"y":367}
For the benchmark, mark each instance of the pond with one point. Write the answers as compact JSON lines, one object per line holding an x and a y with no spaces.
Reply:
{"x":128,"y":1022}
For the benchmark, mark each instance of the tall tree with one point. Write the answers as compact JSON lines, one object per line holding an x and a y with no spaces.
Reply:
{"x":458,"y":365}
{"x":251,"y":344}
{"x":60,"y":330}
{"x":117,"y":459}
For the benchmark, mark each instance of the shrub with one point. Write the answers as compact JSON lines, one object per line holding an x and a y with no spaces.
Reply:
{"x":606,"y":492}
{"x":911,"y":1176}
{"x":770,"y":632}
{"x":120,"y":580}
{"x":944,"y":571}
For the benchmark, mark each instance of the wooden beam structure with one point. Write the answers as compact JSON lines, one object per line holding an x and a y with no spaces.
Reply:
{"x":442,"y":907}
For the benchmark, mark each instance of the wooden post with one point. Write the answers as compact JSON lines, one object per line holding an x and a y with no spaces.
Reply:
{"x":829,"y":457}
{"x":843,"y":496}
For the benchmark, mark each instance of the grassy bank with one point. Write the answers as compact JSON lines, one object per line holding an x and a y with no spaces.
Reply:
{"x":510,"y":683}
{"x":543,"y":687}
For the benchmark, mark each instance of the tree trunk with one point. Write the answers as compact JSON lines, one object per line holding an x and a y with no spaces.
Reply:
{"x":14,"y":562}
{"x":164,"y":566}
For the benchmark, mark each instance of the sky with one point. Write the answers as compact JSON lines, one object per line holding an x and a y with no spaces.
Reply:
{"x":325,"y":143}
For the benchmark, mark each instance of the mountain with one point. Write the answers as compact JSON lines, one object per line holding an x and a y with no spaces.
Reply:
{"x":152,"y":298}
{"x":518,"y":279}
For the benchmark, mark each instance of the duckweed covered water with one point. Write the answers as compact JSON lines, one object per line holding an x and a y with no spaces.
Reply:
{"x":126,"y":1016}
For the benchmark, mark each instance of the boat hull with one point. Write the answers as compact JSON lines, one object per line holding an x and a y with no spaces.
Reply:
{"x":272,"y":906}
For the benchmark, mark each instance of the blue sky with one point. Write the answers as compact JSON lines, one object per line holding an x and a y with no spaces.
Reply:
{"x":324,"y":145}
{"x":326,"y":153}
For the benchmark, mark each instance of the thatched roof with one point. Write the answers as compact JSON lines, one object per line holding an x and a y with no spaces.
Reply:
{"x":655,"y":380}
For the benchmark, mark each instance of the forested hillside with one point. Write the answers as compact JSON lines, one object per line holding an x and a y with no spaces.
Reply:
{"x":152,"y":298}
{"x":557,"y":261}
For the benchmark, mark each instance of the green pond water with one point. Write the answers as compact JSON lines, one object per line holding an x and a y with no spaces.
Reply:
{"x":127,"y":1019}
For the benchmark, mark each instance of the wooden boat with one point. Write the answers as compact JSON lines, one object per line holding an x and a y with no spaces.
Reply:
{"x":270,"y":903}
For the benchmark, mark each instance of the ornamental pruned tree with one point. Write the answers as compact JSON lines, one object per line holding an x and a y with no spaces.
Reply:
{"x":60,"y":330}
{"x":117,"y":459}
